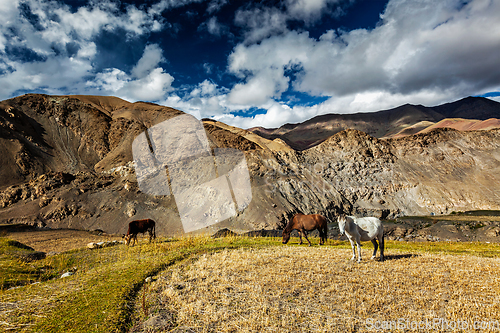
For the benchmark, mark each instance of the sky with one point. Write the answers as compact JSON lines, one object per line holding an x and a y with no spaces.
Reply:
{"x":254,"y":63}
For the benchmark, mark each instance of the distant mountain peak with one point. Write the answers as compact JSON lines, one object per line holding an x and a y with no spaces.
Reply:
{"x":407,"y":119}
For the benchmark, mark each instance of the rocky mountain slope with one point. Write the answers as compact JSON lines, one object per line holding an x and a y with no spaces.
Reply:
{"x":67,"y":162}
{"x":401,"y":121}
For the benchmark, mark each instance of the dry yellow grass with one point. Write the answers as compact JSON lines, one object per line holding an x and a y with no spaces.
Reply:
{"x":302,"y":289}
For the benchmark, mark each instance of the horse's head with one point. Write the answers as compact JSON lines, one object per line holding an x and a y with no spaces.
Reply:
{"x":127,"y":239}
{"x":342,"y":221}
{"x":286,"y":236}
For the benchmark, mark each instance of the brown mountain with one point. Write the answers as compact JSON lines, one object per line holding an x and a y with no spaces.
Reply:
{"x":67,"y":162}
{"x":400,"y":121}
{"x":41,"y":133}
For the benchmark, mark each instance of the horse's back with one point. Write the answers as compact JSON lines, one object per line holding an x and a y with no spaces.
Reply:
{"x":320,"y":219}
{"x":371,"y":226}
{"x":310,"y":222}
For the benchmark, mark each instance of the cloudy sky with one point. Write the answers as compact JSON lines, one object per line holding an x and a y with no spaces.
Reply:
{"x":254,"y":63}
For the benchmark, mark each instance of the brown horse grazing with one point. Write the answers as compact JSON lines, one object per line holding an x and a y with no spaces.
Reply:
{"x":140,"y":227}
{"x":304,"y":223}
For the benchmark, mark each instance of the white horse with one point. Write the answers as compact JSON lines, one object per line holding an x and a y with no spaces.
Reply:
{"x":362,"y":229}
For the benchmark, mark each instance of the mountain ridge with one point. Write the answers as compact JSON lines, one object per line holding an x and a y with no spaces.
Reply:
{"x":380,"y":124}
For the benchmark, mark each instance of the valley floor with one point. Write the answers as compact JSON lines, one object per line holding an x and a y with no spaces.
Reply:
{"x":53,"y":241}
{"x":246,"y":284}
{"x":300,"y":289}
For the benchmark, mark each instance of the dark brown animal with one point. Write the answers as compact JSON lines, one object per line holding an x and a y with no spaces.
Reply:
{"x":304,"y":223}
{"x":140,"y":226}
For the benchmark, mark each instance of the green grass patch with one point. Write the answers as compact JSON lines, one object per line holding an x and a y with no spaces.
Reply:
{"x":18,"y":265}
{"x":480,"y":213}
{"x":489,"y":250}
{"x":491,"y":215}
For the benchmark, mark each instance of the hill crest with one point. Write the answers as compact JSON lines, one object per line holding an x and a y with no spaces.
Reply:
{"x":396,"y":122}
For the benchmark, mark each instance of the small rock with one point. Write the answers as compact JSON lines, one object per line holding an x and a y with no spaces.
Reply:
{"x":493,"y":232}
{"x":44,"y":201}
{"x":130,"y":209}
{"x":67,"y":274}
{"x":92,"y":246}
{"x":97,"y":232}
{"x":162,"y":321}
{"x":224,"y":233}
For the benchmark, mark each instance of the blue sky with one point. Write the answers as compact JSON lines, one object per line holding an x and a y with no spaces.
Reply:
{"x":257,"y":63}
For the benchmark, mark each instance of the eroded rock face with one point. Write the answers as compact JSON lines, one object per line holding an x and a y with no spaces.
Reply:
{"x":73,"y":168}
{"x":35,"y":188}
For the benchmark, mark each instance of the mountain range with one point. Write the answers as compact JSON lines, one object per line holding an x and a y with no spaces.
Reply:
{"x":401,"y":121}
{"x":67,"y":162}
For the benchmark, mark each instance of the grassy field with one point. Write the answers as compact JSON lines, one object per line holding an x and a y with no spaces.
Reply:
{"x":472,"y":216}
{"x":239,"y":284}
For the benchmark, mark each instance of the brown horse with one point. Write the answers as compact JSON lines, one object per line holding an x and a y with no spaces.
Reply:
{"x":304,"y":223}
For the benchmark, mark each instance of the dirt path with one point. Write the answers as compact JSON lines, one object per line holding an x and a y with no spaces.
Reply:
{"x":54,"y":241}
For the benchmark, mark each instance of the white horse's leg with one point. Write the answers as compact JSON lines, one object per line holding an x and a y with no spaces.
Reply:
{"x":375,"y":246}
{"x":359,"y":249}
{"x":353,"y":249}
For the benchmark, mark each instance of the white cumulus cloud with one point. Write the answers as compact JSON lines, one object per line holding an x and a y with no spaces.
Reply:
{"x":59,"y":46}
{"x":150,"y":59}
{"x":147,"y":82}
{"x":420,"y":52}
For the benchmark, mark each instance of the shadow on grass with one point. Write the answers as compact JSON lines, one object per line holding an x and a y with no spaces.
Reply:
{"x":400,"y":256}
